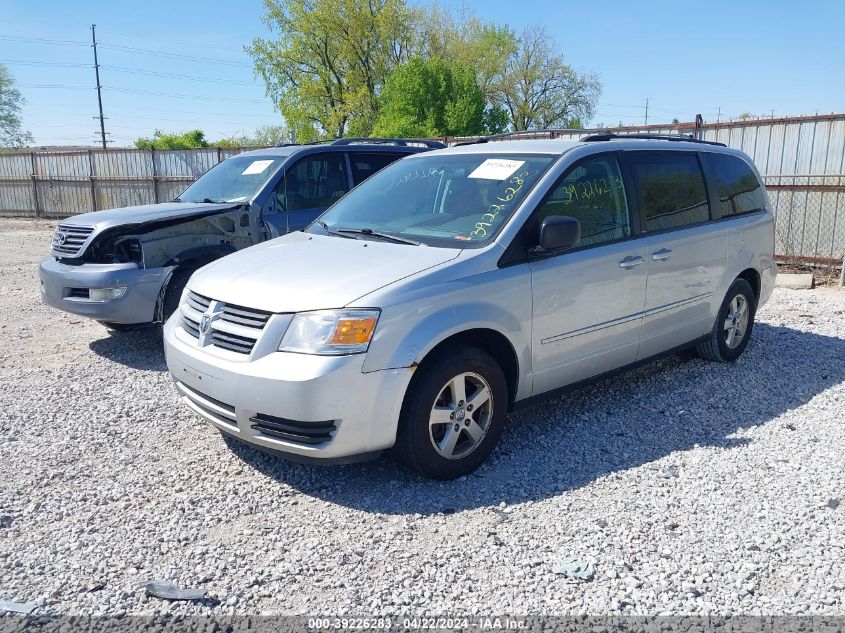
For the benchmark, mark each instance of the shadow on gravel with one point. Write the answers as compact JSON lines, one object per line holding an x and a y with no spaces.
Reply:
{"x":658,"y":410}
{"x":138,"y":349}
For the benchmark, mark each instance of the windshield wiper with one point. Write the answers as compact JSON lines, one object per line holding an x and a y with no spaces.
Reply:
{"x":384,"y":236}
{"x":209,"y":201}
{"x":331,"y":231}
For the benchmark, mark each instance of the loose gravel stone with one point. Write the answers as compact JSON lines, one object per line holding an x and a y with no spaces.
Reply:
{"x":694,"y":487}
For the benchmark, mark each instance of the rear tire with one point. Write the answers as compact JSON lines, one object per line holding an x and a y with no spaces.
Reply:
{"x":734,"y":323}
{"x":453,"y":414}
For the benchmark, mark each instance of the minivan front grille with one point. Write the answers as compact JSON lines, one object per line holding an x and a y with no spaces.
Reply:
{"x":245,"y":316}
{"x":234,"y":328}
{"x":68,"y":239}
{"x":295,"y":431}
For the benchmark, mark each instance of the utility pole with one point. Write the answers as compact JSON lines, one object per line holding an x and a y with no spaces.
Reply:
{"x":99,"y":87}
{"x":646,"y":110}
{"x":719,"y":114}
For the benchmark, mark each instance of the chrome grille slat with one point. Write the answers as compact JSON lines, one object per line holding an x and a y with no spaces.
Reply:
{"x":241,"y":349}
{"x":235,"y":328}
{"x":232,"y":318}
{"x":74,"y":238}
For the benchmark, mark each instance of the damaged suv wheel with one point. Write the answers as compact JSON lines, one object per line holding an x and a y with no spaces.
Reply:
{"x":173,"y":292}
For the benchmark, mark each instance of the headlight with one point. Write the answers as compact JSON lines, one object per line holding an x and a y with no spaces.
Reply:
{"x":106,"y":294}
{"x":330,"y":332}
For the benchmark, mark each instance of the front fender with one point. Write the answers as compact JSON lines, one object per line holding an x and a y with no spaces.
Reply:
{"x":398,"y":344}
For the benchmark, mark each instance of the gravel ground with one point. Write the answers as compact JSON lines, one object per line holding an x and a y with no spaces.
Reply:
{"x":692,"y":487}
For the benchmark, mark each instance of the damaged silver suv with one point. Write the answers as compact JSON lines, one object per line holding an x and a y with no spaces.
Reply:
{"x":127,"y":267}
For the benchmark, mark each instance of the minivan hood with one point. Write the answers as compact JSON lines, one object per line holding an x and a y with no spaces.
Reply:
{"x":101,"y":220}
{"x":302,"y":271}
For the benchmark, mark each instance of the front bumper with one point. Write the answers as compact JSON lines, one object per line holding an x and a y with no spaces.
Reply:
{"x":304,"y":391}
{"x":137,"y":306}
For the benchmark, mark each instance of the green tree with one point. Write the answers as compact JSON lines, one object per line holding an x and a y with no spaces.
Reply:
{"x":161,"y":140}
{"x":539,"y":90}
{"x":270,"y":135}
{"x":465,"y":39}
{"x":12,"y":133}
{"x":265,"y":136}
{"x":430,"y":98}
{"x":329,"y":61}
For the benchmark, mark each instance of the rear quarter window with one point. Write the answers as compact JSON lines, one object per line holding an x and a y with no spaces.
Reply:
{"x":739,"y":190}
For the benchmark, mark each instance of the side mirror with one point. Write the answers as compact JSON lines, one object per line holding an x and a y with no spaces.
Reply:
{"x":558,"y":232}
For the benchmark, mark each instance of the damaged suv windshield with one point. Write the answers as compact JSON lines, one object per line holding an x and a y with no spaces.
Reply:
{"x":233,"y":180}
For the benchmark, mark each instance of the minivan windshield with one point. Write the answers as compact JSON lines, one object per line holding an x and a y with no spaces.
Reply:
{"x":452,"y":200}
{"x":233,"y":180}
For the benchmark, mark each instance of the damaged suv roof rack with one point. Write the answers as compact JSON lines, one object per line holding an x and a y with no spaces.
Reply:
{"x":363,"y":140}
{"x":612,"y":136}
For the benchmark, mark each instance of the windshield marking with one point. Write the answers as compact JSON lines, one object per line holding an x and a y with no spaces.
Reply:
{"x":489,"y":217}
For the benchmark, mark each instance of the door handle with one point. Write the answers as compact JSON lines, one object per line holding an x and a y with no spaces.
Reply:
{"x":630,"y":261}
{"x":662,"y":255}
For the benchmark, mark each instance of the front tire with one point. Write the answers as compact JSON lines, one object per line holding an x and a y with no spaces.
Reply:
{"x":453,"y":414}
{"x":173,"y":291}
{"x":734,"y":323}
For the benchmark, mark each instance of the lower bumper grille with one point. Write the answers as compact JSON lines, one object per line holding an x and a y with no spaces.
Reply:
{"x":296,"y":431}
{"x":208,"y":406}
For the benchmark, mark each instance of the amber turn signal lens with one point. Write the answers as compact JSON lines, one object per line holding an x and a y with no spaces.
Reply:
{"x":354,"y":331}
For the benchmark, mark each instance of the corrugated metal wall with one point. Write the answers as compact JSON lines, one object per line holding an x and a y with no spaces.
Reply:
{"x":801,"y":158}
{"x":60,"y":183}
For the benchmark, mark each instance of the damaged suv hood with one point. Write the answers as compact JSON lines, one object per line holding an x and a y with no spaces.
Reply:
{"x":102,"y":220}
{"x":302,"y":271}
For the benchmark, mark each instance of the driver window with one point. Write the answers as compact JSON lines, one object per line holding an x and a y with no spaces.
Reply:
{"x":593,"y":193}
{"x":315,"y":182}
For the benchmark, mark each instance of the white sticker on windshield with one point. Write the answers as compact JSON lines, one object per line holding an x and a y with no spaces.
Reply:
{"x":256,"y":167}
{"x":496,"y":169}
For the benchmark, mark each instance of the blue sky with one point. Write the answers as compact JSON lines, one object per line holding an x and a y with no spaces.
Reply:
{"x":686,"y":57}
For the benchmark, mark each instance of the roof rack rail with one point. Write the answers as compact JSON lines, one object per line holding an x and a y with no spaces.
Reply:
{"x":493,"y":137}
{"x":364,"y":140}
{"x":611,"y":136}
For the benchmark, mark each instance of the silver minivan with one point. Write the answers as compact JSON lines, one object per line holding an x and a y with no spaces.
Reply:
{"x":455,"y":285}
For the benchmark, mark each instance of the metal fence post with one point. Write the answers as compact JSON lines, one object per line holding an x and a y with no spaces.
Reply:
{"x":34,"y":184}
{"x":91,"y":180}
{"x":842,"y":274}
{"x":155,"y":177}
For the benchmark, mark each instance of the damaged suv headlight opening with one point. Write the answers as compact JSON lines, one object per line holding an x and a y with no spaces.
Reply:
{"x":330,"y":332}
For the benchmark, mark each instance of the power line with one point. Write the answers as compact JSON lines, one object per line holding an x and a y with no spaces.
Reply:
{"x":29,"y":63}
{"x":157,"y":53}
{"x":42,"y":40}
{"x":139,"y":71}
{"x":51,"y":86}
{"x":170,"y":111}
{"x":181,"y":96}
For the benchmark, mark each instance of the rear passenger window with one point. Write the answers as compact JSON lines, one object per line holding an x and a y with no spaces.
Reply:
{"x":315,"y":182}
{"x":739,"y":189}
{"x":365,"y":165}
{"x":592,"y":192}
{"x":670,"y":190}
